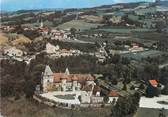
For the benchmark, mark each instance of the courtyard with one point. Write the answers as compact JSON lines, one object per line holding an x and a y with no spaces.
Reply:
{"x":69,"y":97}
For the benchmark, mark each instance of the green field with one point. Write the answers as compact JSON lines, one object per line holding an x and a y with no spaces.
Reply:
{"x":125,"y":30}
{"x":145,"y":54}
{"x":78,"y":24}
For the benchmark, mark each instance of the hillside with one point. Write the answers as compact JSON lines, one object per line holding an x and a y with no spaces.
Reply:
{"x":3,"y":39}
{"x":21,"y":40}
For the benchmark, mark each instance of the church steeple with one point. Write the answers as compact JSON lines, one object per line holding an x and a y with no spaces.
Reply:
{"x":41,"y":24}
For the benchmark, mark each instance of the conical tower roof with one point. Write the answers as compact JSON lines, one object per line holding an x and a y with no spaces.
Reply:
{"x":67,"y":71}
{"x":48,"y":70}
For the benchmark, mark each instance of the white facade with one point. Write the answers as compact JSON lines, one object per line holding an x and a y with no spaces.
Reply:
{"x":136,"y":49}
{"x":112,"y":99}
{"x":48,"y":79}
{"x":85,"y":97}
{"x":97,"y":99}
{"x":66,"y":86}
{"x":51,"y":49}
{"x":13,"y":52}
{"x":63,"y":84}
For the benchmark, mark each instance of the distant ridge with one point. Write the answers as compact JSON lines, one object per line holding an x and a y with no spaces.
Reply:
{"x":126,"y":5}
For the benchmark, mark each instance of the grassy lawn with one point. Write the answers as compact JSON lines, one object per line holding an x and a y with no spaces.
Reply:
{"x":145,"y":54}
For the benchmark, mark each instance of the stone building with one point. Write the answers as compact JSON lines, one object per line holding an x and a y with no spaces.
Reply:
{"x":65,"y":81}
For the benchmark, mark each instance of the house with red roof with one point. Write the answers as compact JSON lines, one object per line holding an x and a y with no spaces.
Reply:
{"x":113,"y":96}
{"x":154,"y":83}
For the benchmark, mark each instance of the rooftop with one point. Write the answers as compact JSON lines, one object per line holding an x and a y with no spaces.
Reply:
{"x":153,"y":83}
{"x":71,"y":77}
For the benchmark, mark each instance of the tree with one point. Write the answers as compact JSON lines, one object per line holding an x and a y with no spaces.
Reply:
{"x":73,"y":31}
{"x":114,"y":81}
{"x":162,"y":113}
{"x":127,"y":74}
{"x":12,"y":77}
{"x":165,"y":90}
{"x":115,"y":58}
{"x":124,"y":87}
{"x":126,"y":106}
{"x":125,"y":61}
{"x":118,"y":70}
{"x":160,"y":26}
{"x":152,"y":91}
{"x":29,"y":89}
{"x":142,"y":86}
{"x":132,"y":87}
{"x":106,"y":99}
{"x":151,"y":71}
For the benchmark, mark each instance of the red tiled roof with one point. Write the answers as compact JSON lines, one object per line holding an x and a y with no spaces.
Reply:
{"x":71,"y":77}
{"x":153,"y":83}
{"x":57,"y":77}
{"x":74,"y":78}
{"x":113,"y":93}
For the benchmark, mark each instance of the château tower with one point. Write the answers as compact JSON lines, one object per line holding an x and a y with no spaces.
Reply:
{"x":47,"y":79}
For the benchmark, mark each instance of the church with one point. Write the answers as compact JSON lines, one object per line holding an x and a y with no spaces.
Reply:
{"x":65,"y":81}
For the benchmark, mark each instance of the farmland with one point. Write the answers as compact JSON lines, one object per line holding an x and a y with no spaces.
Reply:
{"x":78,"y":24}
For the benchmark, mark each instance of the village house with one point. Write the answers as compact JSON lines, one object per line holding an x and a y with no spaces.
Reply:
{"x":7,"y":28}
{"x":43,"y":31}
{"x":51,"y":49}
{"x":56,"y":51}
{"x":56,"y":35}
{"x":59,"y":34}
{"x":101,"y":54}
{"x":135,"y":48}
{"x":113,"y":96}
{"x":154,"y":88}
{"x":154,"y":83}
{"x":13,"y":52}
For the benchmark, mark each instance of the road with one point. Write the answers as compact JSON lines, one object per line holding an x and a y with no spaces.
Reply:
{"x":77,"y":41}
{"x":163,"y":65}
